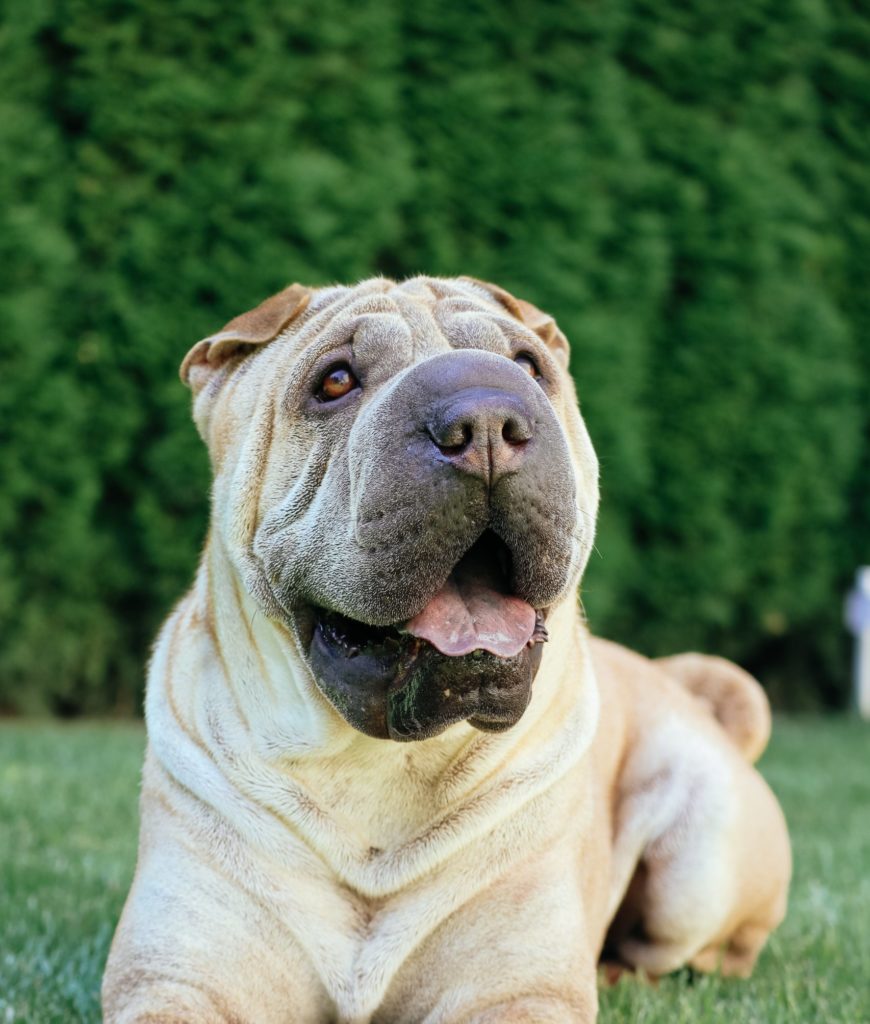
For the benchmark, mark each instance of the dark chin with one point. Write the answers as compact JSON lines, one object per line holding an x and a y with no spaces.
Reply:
{"x":391,"y":685}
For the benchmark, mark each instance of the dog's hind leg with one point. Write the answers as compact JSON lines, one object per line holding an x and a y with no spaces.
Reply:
{"x":737,"y":957}
{"x":734,"y":958}
{"x":683,"y":901}
{"x":712,"y":884}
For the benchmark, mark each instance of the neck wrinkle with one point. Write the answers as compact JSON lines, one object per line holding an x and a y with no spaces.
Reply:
{"x":268,"y":777}
{"x":263,"y":671}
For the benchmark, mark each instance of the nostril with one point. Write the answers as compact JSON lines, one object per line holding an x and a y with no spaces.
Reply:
{"x":515,"y":432}
{"x":453,"y":439}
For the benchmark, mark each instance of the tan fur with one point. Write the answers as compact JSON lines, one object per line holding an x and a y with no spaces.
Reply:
{"x":733,"y":697}
{"x":292,"y":869}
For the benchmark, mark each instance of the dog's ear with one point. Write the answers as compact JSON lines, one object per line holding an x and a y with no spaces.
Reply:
{"x":257,"y":327}
{"x":535,"y":319}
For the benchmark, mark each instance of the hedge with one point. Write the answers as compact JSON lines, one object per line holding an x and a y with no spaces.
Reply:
{"x":685,"y":186}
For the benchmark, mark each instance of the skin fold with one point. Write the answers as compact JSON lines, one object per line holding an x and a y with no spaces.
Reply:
{"x":341,"y":821}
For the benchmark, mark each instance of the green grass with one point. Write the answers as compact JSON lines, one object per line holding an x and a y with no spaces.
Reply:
{"x":67,"y":846}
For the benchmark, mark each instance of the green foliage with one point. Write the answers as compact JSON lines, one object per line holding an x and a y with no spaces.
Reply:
{"x":684,"y":186}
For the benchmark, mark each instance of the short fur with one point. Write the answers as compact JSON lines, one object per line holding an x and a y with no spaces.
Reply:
{"x":293,"y":869}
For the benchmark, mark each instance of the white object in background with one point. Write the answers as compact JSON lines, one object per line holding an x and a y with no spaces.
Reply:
{"x":858,"y":620}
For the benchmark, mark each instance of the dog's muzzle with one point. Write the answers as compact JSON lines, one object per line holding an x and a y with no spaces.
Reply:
{"x":460,"y":535}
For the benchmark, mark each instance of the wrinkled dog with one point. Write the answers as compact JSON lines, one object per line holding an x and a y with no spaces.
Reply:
{"x":389,"y":776}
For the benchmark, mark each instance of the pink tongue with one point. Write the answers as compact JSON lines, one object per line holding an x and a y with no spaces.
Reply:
{"x":467,"y":614}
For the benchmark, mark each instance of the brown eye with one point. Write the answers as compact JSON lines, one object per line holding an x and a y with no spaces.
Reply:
{"x":338,"y":382}
{"x":525,"y":362}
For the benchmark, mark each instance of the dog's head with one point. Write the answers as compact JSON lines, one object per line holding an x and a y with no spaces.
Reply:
{"x":402,"y":477}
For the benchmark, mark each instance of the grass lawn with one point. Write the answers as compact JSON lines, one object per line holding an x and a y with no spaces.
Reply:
{"x":68,"y":823}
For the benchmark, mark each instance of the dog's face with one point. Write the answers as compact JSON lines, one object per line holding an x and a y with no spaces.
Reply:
{"x":402,"y":477}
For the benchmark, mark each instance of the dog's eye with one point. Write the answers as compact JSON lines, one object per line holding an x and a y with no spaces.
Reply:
{"x":338,"y":381}
{"x":525,"y":362}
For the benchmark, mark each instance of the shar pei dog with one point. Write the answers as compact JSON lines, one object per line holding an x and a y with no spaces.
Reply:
{"x":390,"y":777}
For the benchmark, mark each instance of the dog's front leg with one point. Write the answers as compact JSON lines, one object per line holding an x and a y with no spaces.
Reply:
{"x":538,"y":1010}
{"x":194,"y":945}
{"x":137,"y":997}
{"x":523,"y":950}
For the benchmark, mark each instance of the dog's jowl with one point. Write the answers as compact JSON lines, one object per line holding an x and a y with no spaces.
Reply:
{"x":390,"y":777}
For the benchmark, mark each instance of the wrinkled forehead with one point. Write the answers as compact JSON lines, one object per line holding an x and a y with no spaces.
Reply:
{"x":409,"y":321}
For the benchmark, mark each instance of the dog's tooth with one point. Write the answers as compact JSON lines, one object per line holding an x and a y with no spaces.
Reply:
{"x":540,"y":634}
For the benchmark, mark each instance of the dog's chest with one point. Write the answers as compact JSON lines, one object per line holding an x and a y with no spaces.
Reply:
{"x":359,"y":944}
{"x":361,"y":912}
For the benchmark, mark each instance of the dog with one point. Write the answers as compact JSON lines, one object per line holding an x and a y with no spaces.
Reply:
{"x":390,"y":777}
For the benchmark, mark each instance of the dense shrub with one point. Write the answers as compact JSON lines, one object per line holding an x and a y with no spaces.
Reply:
{"x":684,"y":186}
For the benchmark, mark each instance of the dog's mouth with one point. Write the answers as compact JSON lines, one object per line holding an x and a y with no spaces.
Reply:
{"x":473,"y":611}
{"x":470,"y":653}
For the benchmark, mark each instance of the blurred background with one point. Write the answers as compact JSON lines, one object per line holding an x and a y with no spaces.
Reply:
{"x":686,"y":187}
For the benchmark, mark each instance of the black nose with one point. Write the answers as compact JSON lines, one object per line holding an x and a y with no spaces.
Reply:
{"x":484,"y":431}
